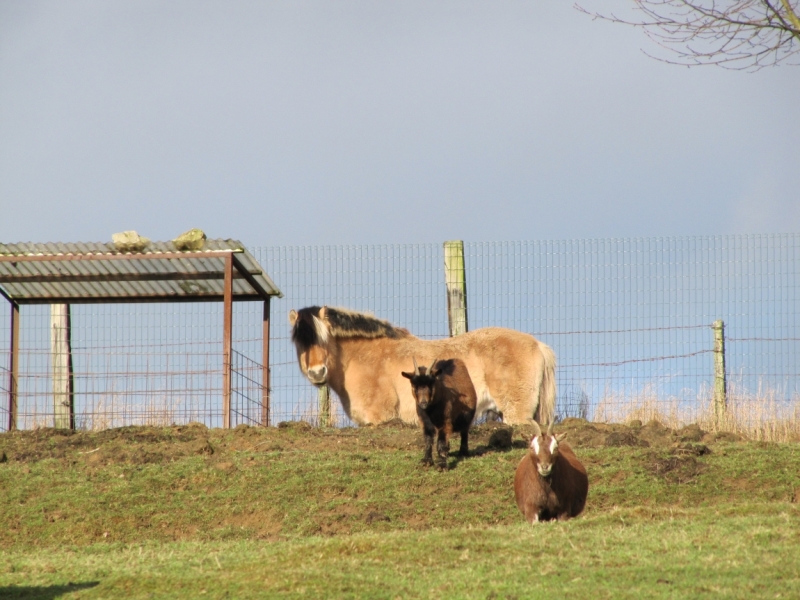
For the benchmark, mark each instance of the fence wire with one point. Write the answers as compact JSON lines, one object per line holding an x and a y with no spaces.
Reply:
{"x":629,"y":320}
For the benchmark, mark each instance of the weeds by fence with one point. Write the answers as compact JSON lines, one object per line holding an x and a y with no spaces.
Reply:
{"x":630,"y":321}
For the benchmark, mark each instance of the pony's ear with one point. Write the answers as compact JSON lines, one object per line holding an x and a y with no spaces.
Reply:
{"x":322,"y":313}
{"x":407,"y":375}
{"x":292,"y":317}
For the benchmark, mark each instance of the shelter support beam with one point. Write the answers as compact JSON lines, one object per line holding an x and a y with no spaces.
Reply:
{"x":13,"y":368}
{"x":265,"y":374}
{"x":227,"y":342}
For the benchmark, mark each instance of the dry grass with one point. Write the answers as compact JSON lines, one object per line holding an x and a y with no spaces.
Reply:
{"x":111,"y":411}
{"x":763,"y":415}
{"x":308,"y":410}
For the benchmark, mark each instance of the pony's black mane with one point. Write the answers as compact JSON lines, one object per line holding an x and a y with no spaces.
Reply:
{"x":341,"y":323}
{"x":304,"y":332}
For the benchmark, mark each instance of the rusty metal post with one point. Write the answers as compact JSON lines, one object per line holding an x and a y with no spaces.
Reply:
{"x":227,"y":342}
{"x":13,"y":368}
{"x":265,"y":382}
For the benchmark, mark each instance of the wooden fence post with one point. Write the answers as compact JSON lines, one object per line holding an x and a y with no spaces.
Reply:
{"x":456,"y":282}
{"x":265,"y":375}
{"x":324,"y":397}
{"x":61,"y":362}
{"x":720,"y":382}
{"x":227,"y":342}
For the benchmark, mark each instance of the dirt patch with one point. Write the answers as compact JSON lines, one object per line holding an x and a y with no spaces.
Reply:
{"x":148,"y":445}
{"x":677,"y":469}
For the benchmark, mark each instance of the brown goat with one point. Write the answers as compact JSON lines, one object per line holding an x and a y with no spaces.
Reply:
{"x":446,"y":401}
{"x":550,"y":482}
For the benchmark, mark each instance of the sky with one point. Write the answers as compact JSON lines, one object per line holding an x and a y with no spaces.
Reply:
{"x":354,"y":122}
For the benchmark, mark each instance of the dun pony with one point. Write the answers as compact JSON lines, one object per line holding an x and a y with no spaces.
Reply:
{"x":550,"y":482}
{"x":446,"y":402}
{"x":361,"y":357}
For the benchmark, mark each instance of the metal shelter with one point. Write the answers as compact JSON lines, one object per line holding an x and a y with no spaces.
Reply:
{"x":90,"y":273}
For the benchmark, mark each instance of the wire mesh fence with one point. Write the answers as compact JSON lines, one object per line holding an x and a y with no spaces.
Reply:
{"x":629,"y":320}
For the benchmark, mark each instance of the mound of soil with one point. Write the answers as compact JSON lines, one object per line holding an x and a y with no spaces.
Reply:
{"x":141,"y":445}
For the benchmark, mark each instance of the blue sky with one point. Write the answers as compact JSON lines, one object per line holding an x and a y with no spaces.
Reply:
{"x":303,"y":123}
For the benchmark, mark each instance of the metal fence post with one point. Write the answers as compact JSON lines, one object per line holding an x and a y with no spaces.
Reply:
{"x":720,"y":382}
{"x":456,"y":281}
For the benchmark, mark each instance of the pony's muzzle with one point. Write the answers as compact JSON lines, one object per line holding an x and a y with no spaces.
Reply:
{"x":317,"y":375}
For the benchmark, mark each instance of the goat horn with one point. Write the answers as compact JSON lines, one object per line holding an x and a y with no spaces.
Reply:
{"x":536,"y":429}
{"x":433,"y":364}
{"x":416,"y":367}
{"x":550,"y":428}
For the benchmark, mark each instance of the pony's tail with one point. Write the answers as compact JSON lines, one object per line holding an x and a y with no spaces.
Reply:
{"x":546,"y":408}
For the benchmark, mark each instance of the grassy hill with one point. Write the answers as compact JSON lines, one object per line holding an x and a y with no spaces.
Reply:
{"x":300,"y":512}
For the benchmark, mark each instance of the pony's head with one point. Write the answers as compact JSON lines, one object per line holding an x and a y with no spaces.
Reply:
{"x":423,"y":382}
{"x":315,"y":329}
{"x":310,"y":335}
{"x":544,"y":448}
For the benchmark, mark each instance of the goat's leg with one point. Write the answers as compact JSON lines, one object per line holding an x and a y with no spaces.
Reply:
{"x":427,"y":458}
{"x":463,"y":451}
{"x":531,"y":513}
{"x":442,"y":449}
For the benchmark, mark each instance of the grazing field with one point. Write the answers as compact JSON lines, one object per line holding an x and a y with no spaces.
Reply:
{"x":185,"y":512}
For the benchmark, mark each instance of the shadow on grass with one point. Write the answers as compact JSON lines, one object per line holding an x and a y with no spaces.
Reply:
{"x":483,"y":449}
{"x":44,"y":592}
{"x":489,"y":448}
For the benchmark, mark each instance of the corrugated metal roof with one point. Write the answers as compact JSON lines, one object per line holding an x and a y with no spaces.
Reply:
{"x":97,"y":272}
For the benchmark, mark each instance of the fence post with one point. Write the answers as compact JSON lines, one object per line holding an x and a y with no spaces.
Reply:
{"x":61,"y":362}
{"x":720,"y":382}
{"x":456,"y":282}
{"x":324,"y":397}
{"x":227,"y":342}
{"x":265,"y":375}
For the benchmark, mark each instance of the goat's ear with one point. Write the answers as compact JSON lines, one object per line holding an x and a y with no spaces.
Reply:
{"x":406,"y":375}
{"x":292,"y":317}
{"x":561,"y":436}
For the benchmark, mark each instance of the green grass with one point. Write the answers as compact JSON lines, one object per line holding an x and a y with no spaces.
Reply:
{"x":608,"y":556}
{"x":353,"y":515}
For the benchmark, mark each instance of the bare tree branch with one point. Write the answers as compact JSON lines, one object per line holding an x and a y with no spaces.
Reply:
{"x":737,"y":34}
